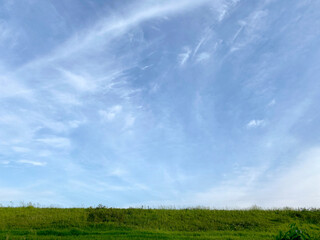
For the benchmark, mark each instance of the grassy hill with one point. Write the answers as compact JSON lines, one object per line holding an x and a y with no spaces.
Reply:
{"x":133,"y":223}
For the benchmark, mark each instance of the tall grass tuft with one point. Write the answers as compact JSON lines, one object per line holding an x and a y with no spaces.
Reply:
{"x":294,"y":233}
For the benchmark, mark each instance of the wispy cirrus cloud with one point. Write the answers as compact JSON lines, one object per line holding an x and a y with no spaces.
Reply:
{"x":203,"y":56}
{"x":249,"y":30}
{"x":184,"y":56}
{"x":55,"y":142}
{"x":277,"y":190}
{"x":109,"y":28}
{"x":296,"y":186}
{"x":33,"y":163}
{"x":254,"y":123}
{"x":111,"y":113}
{"x":20,"y":149}
{"x":13,"y":89}
{"x":79,"y":82}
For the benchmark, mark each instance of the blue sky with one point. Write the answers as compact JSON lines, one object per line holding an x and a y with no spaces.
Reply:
{"x":160,"y":103}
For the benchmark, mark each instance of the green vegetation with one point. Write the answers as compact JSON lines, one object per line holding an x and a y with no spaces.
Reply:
{"x":133,"y":223}
{"x":293,"y":234}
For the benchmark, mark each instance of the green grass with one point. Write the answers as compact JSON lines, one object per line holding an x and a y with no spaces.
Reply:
{"x":133,"y":223}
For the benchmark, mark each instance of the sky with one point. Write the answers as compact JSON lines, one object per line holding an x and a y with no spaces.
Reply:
{"x":156,"y":103}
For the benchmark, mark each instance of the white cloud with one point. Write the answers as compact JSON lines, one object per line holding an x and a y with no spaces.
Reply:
{"x":203,"y":56}
{"x":20,"y":149}
{"x":66,"y":98}
{"x":148,"y":11}
{"x":222,"y":8}
{"x":183,"y":57}
{"x":199,"y":45}
{"x":111,"y":113}
{"x":34,"y":163}
{"x":250,"y":30}
{"x":118,"y":172}
{"x":272,"y":102}
{"x":44,"y":153}
{"x":9,"y":118}
{"x":222,"y":12}
{"x":256,"y":123}
{"x":146,"y":67}
{"x":109,"y":28}
{"x":234,"y":192}
{"x":12,"y":88}
{"x":242,"y":24}
{"x":226,"y":196}
{"x":55,"y":142}
{"x":255,"y":21}
{"x":75,"y":123}
{"x":79,"y":82}
{"x":296,"y":185}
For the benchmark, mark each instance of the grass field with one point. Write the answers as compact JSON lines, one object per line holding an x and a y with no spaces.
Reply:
{"x":134,"y":223}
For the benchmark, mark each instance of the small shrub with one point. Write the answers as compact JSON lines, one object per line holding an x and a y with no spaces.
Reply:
{"x":100,"y":206}
{"x":294,"y":233}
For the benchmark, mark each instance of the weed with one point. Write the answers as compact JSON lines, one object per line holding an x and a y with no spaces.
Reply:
{"x":294,"y":233}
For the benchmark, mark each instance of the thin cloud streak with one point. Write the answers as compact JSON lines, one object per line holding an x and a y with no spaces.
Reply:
{"x":111,"y":28}
{"x":256,"y":123}
{"x":34,"y":163}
